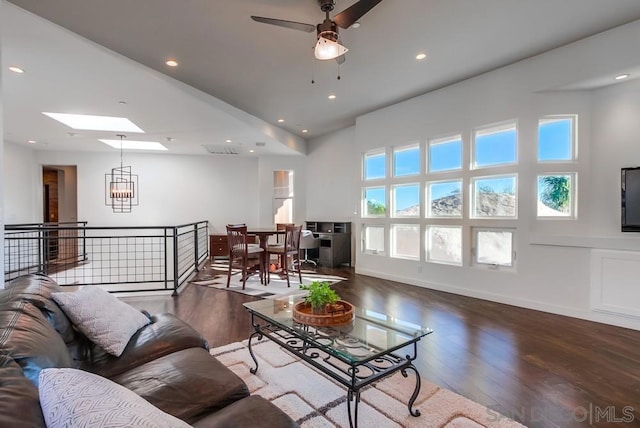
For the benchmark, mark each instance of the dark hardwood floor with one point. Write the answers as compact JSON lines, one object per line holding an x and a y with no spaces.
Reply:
{"x":540,"y":369}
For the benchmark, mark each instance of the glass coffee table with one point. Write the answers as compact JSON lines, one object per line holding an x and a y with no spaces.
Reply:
{"x":355,"y":354}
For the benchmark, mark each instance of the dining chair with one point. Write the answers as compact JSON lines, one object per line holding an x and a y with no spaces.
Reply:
{"x":289,"y":249}
{"x":280,"y":227}
{"x":243,"y":254}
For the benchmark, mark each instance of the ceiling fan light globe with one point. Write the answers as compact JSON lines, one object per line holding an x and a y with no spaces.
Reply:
{"x":328,"y":49}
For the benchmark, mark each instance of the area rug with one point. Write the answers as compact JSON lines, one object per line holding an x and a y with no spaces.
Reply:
{"x":277,"y":286}
{"x":315,"y":400}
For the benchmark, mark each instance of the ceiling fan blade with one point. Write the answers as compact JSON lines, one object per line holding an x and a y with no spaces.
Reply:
{"x":347,"y":17}
{"x":300,"y":26}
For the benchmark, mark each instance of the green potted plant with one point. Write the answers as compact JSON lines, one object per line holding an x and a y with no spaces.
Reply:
{"x":320,"y":295}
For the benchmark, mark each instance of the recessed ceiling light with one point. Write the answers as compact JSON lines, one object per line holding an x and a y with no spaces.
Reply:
{"x":304,"y":131}
{"x":421,"y":56}
{"x":95,"y":123}
{"x":280,"y":120}
{"x":171,"y":62}
{"x":227,"y":141}
{"x":355,"y":25}
{"x":31,"y":141}
{"x":16,"y":69}
{"x":251,"y":151}
{"x":332,"y":97}
{"x":135,"y":145}
{"x":622,"y":76}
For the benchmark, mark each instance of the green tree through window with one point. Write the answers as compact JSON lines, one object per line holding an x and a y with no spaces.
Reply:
{"x":555,"y":192}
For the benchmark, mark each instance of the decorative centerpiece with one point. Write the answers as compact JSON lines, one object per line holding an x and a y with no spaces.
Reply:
{"x":322,"y":306}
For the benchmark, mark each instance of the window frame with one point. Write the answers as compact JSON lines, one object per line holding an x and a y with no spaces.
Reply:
{"x":573,"y":179}
{"x":392,"y":241}
{"x":472,"y":197}
{"x":370,"y":154}
{"x":574,"y":137}
{"x":363,"y":232}
{"x":427,"y":198}
{"x":392,"y":197}
{"x":427,"y":246}
{"x":494,"y":128}
{"x":451,"y":138}
{"x":395,"y":150}
{"x":493,"y":266}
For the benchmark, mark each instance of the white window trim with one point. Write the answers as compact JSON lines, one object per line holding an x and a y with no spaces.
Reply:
{"x":427,"y":248}
{"x":363,"y":204}
{"x":392,"y":196}
{"x":427,"y":198}
{"x":472,"y":194}
{"x":392,"y":253}
{"x":573,"y":202}
{"x":574,"y":137}
{"x":371,"y":153}
{"x":451,"y":138}
{"x":493,"y":129}
{"x":412,"y":146}
{"x":363,"y":246}
{"x":493,"y":266}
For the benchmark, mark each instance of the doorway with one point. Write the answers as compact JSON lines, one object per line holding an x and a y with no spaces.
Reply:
{"x":59,"y":208}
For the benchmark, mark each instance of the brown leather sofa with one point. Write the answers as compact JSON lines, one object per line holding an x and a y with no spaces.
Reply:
{"x":166,"y":362}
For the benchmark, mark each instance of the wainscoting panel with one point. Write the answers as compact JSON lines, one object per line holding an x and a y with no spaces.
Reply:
{"x":615,"y":282}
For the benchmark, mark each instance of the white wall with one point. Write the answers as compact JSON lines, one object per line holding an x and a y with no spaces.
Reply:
{"x":2,"y":221}
{"x":174,"y":189}
{"x":553,"y":257}
{"x":20,"y":189}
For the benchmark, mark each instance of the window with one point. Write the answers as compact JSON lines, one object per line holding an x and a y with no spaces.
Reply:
{"x":282,"y":196}
{"x":373,"y":239}
{"x":406,"y":161}
{"x":444,"y":244}
{"x":405,"y":241}
{"x":555,"y":195}
{"x":444,"y":199}
{"x":374,"y":201}
{"x":494,"y":247}
{"x":494,"y":196}
{"x":556,"y":138}
{"x":406,"y":200}
{"x":445,"y":154}
{"x":375,"y":165}
{"x":495,"y":145}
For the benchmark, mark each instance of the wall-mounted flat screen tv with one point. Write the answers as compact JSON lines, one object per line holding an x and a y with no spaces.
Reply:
{"x":630,"y":199}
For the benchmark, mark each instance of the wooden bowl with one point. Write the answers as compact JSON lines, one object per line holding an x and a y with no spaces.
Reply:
{"x":339,"y":313}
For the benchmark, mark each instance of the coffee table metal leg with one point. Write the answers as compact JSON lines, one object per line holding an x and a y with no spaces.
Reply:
{"x":416,"y":391}
{"x":255,"y":333}
{"x":351,"y":396}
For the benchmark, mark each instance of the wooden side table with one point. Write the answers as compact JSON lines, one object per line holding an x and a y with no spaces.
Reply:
{"x":218,"y":246}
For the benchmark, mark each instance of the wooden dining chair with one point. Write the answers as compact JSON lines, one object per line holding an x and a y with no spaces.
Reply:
{"x":289,"y":249}
{"x":244,"y":255}
{"x":280,"y":227}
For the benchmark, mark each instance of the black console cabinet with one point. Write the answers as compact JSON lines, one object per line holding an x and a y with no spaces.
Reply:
{"x":335,"y":242}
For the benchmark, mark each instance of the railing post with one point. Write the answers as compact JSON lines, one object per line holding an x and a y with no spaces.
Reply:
{"x":175,"y":262}
{"x":196,"y":251}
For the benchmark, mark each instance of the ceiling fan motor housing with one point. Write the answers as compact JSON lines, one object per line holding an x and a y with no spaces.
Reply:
{"x":326,"y":5}
{"x":328,"y":29}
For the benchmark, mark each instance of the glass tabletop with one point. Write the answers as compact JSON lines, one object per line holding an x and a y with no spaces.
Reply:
{"x":368,"y":336}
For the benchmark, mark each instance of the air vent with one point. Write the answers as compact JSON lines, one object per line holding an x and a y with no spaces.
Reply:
{"x":260,"y":144}
{"x":217,"y":149}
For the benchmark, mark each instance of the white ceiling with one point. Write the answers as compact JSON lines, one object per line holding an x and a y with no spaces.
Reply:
{"x":255,"y":73}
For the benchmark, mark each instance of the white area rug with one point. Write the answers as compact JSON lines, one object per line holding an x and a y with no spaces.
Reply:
{"x":277,"y":287}
{"x":317,"y":401}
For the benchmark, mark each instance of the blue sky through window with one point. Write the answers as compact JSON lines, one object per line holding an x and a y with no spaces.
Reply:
{"x":375,"y":166}
{"x":406,"y":196}
{"x":445,"y":156}
{"x":554,"y":139}
{"x":495,"y":148}
{"x":406,"y":161}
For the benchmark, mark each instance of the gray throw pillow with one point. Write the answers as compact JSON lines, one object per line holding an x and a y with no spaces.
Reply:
{"x":105,"y":320}
{"x":75,"y":398}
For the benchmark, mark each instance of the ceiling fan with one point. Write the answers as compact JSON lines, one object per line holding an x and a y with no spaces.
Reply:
{"x":328,"y":45}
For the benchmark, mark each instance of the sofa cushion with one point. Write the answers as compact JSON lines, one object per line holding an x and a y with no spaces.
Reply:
{"x":101,"y":317}
{"x":71,"y":397}
{"x":166,"y":334}
{"x":19,"y":403}
{"x":37,"y":289}
{"x":250,"y":412}
{"x":185,"y":384}
{"x":28,"y":338}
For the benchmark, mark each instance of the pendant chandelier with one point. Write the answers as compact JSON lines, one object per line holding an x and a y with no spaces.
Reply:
{"x":121,"y":187}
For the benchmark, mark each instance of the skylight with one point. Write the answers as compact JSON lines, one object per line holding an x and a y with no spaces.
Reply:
{"x":95,"y":123}
{"x":135,"y":145}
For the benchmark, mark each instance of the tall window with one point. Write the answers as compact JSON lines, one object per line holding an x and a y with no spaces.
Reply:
{"x":556,"y":138}
{"x":374,"y":201}
{"x":406,"y":200}
{"x":282,"y":196}
{"x":405,"y":241}
{"x":445,"y":154}
{"x":444,"y":244}
{"x":375,"y":165}
{"x":494,"y":247}
{"x":373,"y":239}
{"x":495,"y":145}
{"x":444,"y":199}
{"x":406,"y":161}
{"x":494,"y":196}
